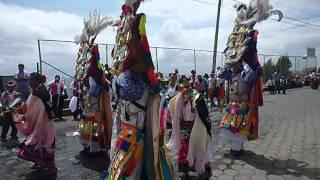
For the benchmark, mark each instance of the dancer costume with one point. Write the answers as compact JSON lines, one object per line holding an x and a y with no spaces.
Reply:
{"x":242,"y":69}
{"x":34,"y":122}
{"x":95,"y":127}
{"x":137,"y":152}
{"x":191,"y":129}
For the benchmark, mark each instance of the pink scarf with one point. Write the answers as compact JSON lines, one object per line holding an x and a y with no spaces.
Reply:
{"x":35,"y":124}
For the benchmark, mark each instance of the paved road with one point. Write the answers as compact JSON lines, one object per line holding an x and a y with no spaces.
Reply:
{"x":289,"y":144}
{"x":288,"y":148}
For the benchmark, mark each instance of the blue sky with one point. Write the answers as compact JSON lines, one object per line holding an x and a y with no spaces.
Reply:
{"x":80,"y":7}
{"x":171,"y":23}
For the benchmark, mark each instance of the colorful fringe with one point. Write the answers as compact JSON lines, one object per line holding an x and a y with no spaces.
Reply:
{"x":236,"y":120}
{"x":254,"y":127}
{"x":87,"y":128}
{"x":128,"y":152}
{"x":152,"y":78}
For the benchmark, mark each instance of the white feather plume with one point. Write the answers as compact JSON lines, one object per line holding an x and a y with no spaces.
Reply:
{"x":93,"y":26}
{"x":257,"y":11}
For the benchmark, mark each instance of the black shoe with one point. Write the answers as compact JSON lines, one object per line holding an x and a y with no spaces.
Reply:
{"x":236,"y":153}
{"x":85,"y":151}
{"x":183,"y":167}
{"x":3,"y":140}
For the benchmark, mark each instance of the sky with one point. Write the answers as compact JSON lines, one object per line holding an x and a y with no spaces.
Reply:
{"x":170,"y":23}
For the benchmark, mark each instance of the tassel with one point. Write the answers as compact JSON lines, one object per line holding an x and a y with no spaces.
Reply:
{"x":152,"y":77}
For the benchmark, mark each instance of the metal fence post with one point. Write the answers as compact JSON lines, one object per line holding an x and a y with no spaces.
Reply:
{"x":264,"y":63}
{"x":280,"y":65}
{"x":299,"y":66}
{"x":316,"y":64}
{"x":295,"y":64}
{"x":38,"y":71}
{"x":157,"y":59}
{"x":107,"y":61}
{"x":222,"y":61}
{"x":40,"y":58}
{"x":306,"y":65}
{"x":195,"y":61}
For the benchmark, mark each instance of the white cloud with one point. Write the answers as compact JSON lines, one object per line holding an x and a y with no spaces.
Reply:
{"x":177,"y":23}
{"x":18,"y":39}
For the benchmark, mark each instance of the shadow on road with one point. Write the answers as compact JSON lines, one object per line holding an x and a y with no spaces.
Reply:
{"x":278,"y":167}
{"x":38,"y":175}
{"x":96,"y":162}
{"x":11,"y":144}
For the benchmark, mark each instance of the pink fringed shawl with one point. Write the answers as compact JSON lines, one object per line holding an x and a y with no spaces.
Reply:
{"x":35,"y":124}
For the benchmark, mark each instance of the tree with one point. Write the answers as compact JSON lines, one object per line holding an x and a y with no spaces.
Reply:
{"x":283,"y":65}
{"x":268,"y":69}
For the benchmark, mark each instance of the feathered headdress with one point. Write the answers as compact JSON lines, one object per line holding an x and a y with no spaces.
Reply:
{"x":93,"y":26}
{"x":257,"y":11}
{"x":132,"y":50}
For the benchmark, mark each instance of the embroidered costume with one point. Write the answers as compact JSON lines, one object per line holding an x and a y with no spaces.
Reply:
{"x":242,"y":69}
{"x":95,"y":127}
{"x":33,"y":121}
{"x":137,"y":152}
{"x":191,"y":131}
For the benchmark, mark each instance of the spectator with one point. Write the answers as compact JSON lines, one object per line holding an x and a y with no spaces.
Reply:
{"x":58,"y":94}
{"x":219,"y":90}
{"x":183,"y":80}
{"x":163,"y":82}
{"x":172,"y":86}
{"x":269,"y":84}
{"x":21,"y":78}
{"x":199,"y":84}
{"x":283,"y":84}
{"x":176,"y":72}
{"x":75,"y":87}
{"x":7,"y":97}
{"x":206,"y":83}
{"x":273,"y":85}
{"x":211,"y":88}
{"x":74,"y":102}
{"x":192,"y":77}
{"x":277,"y":76}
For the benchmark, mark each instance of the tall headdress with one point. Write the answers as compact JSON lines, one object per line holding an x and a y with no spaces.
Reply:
{"x":243,"y":38}
{"x":88,"y":60}
{"x":131,"y":51}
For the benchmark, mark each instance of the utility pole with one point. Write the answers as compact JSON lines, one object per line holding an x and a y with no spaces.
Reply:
{"x":214,"y":60}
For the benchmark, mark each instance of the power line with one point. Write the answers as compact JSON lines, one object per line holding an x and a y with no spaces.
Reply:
{"x":289,"y":18}
{"x":303,"y":22}
{"x":204,"y":2}
{"x":286,"y":22}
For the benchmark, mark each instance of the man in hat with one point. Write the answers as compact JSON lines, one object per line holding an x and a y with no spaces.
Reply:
{"x":21,"y":78}
{"x":7,"y":97}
